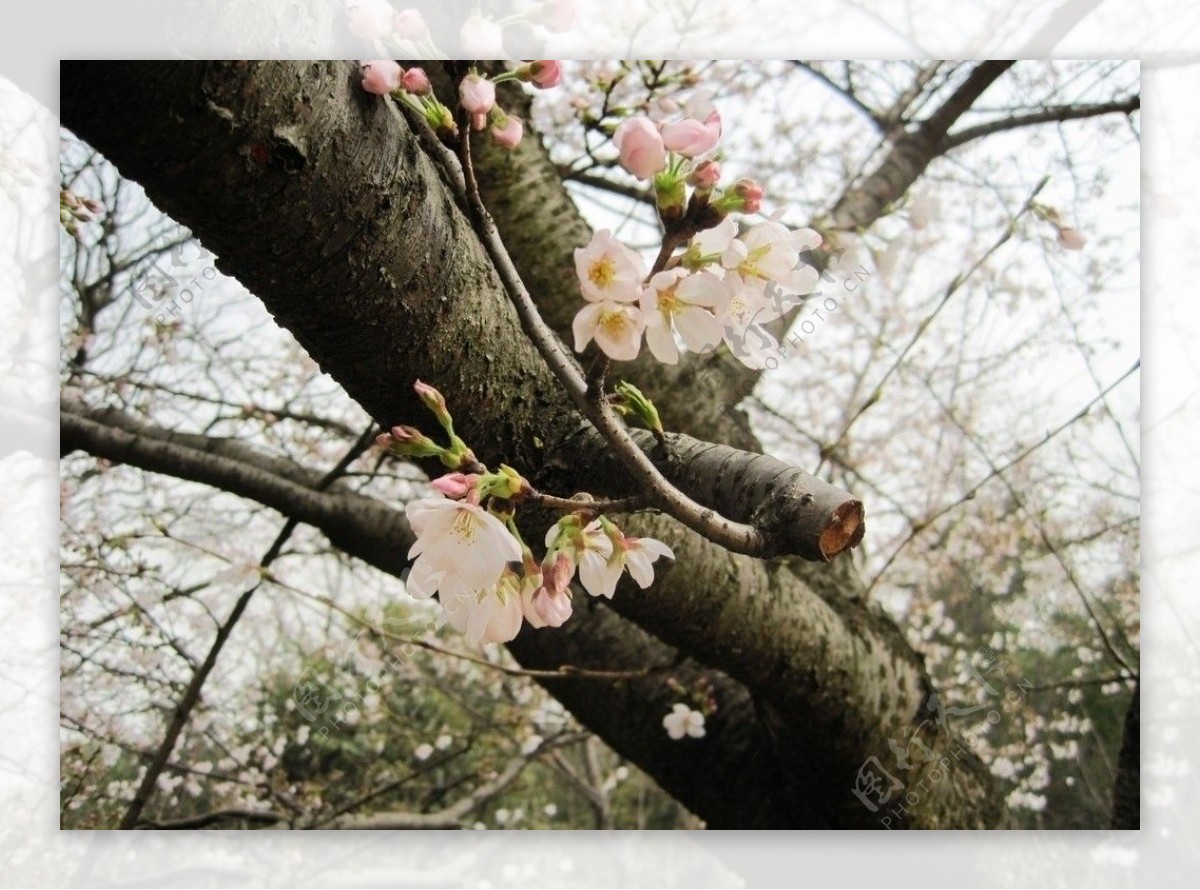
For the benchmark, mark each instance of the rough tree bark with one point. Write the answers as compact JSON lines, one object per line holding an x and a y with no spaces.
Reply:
{"x":318,"y":198}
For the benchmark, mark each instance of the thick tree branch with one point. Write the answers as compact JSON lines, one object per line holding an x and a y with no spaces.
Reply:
{"x":863,"y":202}
{"x":354,"y":523}
{"x":1049,"y":115}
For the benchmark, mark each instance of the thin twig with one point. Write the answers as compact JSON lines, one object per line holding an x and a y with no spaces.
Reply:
{"x":631,"y":504}
{"x":951,"y":289}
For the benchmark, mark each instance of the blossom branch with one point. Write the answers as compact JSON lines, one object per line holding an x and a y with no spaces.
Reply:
{"x":735,"y":536}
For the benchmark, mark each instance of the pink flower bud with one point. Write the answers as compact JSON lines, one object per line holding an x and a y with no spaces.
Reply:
{"x":479,"y":121}
{"x":508,"y":134}
{"x":477,"y":94}
{"x":406,"y":434}
{"x":545,"y":73}
{"x":481,"y":38}
{"x":383,"y":440}
{"x":556,"y":576}
{"x":751,"y":194}
{"x":692,"y":137}
{"x":559,"y":15}
{"x":641,"y":147}
{"x":705,"y":175}
{"x":552,"y":608}
{"x":455,"y":485}
{"x":369,"y":19}
{"x":415,"y":81}
{"x":430,"y":398}
{"x":380,"y":76}
{"x":1071,"y":239}
{"x":409,"y":24}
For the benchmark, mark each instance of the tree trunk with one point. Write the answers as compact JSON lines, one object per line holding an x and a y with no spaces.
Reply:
{"x":318,"y":198}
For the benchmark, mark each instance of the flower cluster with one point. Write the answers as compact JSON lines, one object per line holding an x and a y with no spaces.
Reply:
{"x":470,"y":553}
{"x":722,"y":288}
{"x":643,"y":145}
{"x":385,"y":77}
{"x":476,"y":96}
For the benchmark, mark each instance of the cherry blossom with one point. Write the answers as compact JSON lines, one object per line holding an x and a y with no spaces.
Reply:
{"x":750,"y":195}
{"x":545,"y":608}
{"x":545,"y":73}
{"x":677,"y":301}
{"x":600,"y":572}
{"x":640,"y":554}
{"x":616,"y":327}
{"x":641,"y":148}
{"x":690,"y":137}
{"x":683,"y":721}
{"x":742,"y":326}
{"x":507,"y":132}
{"x":705,"y":175}
{"x":608,"y":270}
{"x":416,"y":81}
{"x":380,"y":76}
{"x":488,"y":615}
{"x":456,"y":485}
{"x":459,"y":545}
{"x":770,"y":252}
{"x":547,"y":602}
{"x":589,"y":546}
{"x":477,"y":94}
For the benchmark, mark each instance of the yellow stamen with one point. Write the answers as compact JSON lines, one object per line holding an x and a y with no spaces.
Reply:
{"x":602,"y":272}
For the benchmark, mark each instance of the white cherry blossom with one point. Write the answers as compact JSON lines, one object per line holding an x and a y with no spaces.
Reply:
{"x":676,"y":301}
{"x":459,"y":546}
{"x":608,"y":270}
{"x":616,"y":327}
{"x":684,"y":721}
